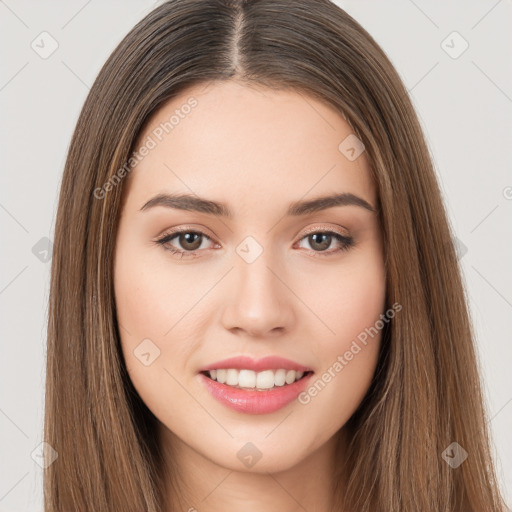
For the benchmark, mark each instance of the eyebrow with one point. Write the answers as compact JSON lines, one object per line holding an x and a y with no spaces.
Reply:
{"x":195,"y":203}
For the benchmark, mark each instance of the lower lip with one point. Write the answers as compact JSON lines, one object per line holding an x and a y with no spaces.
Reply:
{"x":254,"y":401}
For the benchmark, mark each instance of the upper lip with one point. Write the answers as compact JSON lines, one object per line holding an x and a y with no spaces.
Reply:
{"x":257,"y":365}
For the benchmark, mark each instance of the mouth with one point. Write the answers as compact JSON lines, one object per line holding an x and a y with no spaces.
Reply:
{"x":250,"y":380}
{"x":255,"y":386}
{"x":251,"y":392}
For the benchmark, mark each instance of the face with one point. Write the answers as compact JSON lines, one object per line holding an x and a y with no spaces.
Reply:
{"x":248,"y":265}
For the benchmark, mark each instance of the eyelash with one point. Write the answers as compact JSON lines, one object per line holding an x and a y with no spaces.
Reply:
{"x":346,"y":242}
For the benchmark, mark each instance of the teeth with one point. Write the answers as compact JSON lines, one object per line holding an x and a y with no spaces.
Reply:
{"x":280,"y":377}
{"x":232,"y":378}
{"x":246,"y":379}
{"x":221,"y":376}
{"x":249,"y":379}
{"x":265,"y":380}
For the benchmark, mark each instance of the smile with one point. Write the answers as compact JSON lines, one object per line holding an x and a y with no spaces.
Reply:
{"x":249,"y":379}
{"x":255,"y":386}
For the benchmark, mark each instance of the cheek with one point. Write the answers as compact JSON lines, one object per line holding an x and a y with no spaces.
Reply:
{"x":358,"y":325}
{"x":148,"y":314}
{"x":347,"y":298}
{"x":350,"y":301}
{"x":150,"y":298}
{"x":140,"y":303}
{"x":144,"y":316}
{"x":159,"y":313}
{"x":361,"y":300}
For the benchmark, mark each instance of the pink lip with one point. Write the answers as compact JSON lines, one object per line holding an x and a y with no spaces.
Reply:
{"x":257,"y":365}
{"x":253,"y":401}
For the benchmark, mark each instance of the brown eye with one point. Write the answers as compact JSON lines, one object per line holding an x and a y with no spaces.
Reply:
{"x":183,"y":243}
{"x":187,"y":243}
{"x":321,"y":241}
{"x":190,"y":241}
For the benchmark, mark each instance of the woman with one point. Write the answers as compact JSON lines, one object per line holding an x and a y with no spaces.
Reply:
{"x":255,"y":298}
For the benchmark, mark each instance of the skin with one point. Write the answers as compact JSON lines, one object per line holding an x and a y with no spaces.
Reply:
{"x":257,"y":151}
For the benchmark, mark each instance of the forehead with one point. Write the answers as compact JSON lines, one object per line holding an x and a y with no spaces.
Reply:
{"x":248,"y":146}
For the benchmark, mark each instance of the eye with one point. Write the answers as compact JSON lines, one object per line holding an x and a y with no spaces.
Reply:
{"x":191,"y":242}
{"x":320,"y":241}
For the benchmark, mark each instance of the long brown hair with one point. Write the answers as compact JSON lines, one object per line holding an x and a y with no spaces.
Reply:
{"x":426,"y":392}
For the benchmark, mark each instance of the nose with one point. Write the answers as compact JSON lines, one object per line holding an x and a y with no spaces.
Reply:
{"x":258,"y":301}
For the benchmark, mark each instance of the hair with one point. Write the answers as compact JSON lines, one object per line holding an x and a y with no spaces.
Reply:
{"x":426,"y":392}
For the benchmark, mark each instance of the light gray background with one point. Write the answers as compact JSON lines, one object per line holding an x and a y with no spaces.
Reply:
{"x":464,"y":105}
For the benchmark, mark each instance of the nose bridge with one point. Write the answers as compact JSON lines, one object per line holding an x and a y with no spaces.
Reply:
{"x":258,"y":301}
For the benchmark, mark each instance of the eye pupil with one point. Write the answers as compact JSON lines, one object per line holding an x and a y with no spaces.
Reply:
{"x":323,"y":245}
{"x":187,"y":241}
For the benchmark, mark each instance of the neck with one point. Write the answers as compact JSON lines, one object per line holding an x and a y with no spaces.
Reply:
{"x":193,"y":482}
